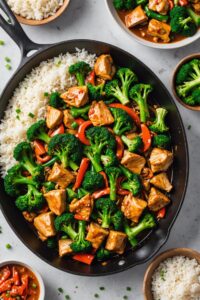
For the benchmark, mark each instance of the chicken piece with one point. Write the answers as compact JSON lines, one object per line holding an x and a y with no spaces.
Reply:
{"x":196,"y":7}
{"x":160,"y":160}
{"x":42,"y":237}
{"x":157,"y":200}
{"x":159,"y":29}
{"x":29,"y":216}
{"x":162,"y":182}
{"x":76,"y":96}
{"x":116,"y":241}
{"x":104,"y":67}
{"x":160,"y":6}
{"x":61,"y":176}
{"x":54,"y":117}
{"x":68,"y":119}
{"x":44,"y":223}
{"x":133,"y":207}
{"x":135,"y":17}
{"x":133,"y":162}
{"x":96,"y":235}
{"x":82,"y":207}
{"x":64,"y":247}
{"x":56,"y":200}
{"x":99,"y":114}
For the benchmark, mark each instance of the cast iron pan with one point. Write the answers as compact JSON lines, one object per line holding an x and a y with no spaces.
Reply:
{"x":153,"y":241}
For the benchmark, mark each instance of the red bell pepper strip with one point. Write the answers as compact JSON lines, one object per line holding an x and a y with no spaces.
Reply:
{"x":79,"y":121}
{"x":171,"y":4}
{"x":120,"y":147}
{"x":81,"y":172}
{"x":146,"y":137}
{"x":101,"y":193}
{"x":59,"y":130}
{"x":130,"y":111}
{"x":161,"y":213}
{"x":81,"y":132}
{"x":183,"y":2}
{"x":105,"y":178}
{"x":91,"y":78}
{"x":79,"y":217}
{"x":15,"y":275}
{"x":40,"y":151}
{"x":121,"y":191}
{"x":5,"y":274}
{"x":84,"y":258}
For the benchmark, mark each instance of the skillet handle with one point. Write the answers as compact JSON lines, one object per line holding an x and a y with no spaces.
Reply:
{"x":15,"y":31}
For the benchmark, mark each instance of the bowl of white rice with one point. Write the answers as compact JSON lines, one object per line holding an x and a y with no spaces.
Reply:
{"x":37,"y":12}
{"x":173,"y":275}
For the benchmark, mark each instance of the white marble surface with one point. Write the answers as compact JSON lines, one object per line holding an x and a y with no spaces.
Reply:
{"x":90,"y":19}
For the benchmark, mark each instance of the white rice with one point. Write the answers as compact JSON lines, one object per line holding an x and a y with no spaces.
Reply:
{"x":51,"y":75}
{"x":35,"y":9}
{"x":177,"y":278}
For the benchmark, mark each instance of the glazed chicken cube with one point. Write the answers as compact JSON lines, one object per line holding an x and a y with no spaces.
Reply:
{"x":68,"y":119}
{"x":104,"y":67}
{"x":135,"y":17}
{"x":160,"y":160}
{"x":61,"y":176}
{"x":96,"y":235}
{"x":64,"y":247}
{"x":56,"y":200}
{"x":44,"y":223}
{"x":76,"y":96}
{"x":133,"y":162}
{"x":54,"y":117}
{"x":157,"y":200}
{"x":99,"y":114}
{"x":196,"y":6}
{"x":29,"y":216}
{"x":159,"y":29}
{"x":82,"y":207}
{"x":162,"y":182}
{"x":116,"y":241}
{"x":160,"y":6}
{"x":133,"y":207}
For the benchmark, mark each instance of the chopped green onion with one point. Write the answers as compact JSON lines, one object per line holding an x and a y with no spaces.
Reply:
{"x":18,"y":110}
{"x":125,"y":297}
{"x":102,"y":288}
{"x":2,"y":43}
{"x":7,"y":59}
{"x":17,"y":117}
{"x":46,"y":94}
{"x":128,"y":288}
{"x":60,"y":290}
{"x":34,"y":285}
{"x":67,"y":297}
{"x":96,"y":295}
{"x":31,"y":115}
{"x":8,"y":246}
{"x":0,"y":229}
{"x":8,"y":66}
{"x":189,"y":127}
{"x":74,"y":125}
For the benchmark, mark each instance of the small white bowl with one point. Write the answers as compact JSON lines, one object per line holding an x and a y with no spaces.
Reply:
{"x":182,"y":43}
{"x":38,"y":276}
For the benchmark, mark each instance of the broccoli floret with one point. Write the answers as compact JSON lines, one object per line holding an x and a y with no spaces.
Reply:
{"x":113,"y":173}
{"x":80,"y":70}
{"x":190,"y":76}
{"x":49,"y":186}
{"x":140,"y":2}
{"x":195,"y":17}
{"x":106,"y":208}
{"x":133,"y":184}
{"x":38,"y":131}
{"x":147,"y":222}
{"x":113,"y":89}
{"x":109,"y":159}
{"x":103,"y":254}
{"x":55,"y":100}
{"x":134,"y":145}
{"x":23,"y":153}
{"x":126,"y":172}
{"x":92,"y":181}
{"x":33,"y":200}
{"x":52,"y":243}
{"x":80,"y":244}
{"x":139,"y":93}
{"x":82,"y":112}
{"x":159,"y":125}
{"x":71,"y":194}
{"x":124,"y":4}
{"x":194,"y":98}
{"x":183,"y":73}
{"x":162,"y":141}
{"x":96,"y":91}
{"x":81,"y":193}
{"x":65,"y":146}
{"x":123,"y":122}
{"x":117,"y":220}
{"x":64,"y":223}
{"x":127,"y":78}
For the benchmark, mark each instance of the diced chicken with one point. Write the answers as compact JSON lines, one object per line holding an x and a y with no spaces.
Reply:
{"x":160,"y":160}
{"x":62,"y":177}
{"x":99,"y":114}
{"x":146,"y":184}
{"x":29,"y":216}
{"x":82,"y":207}
{"x":44,"y":223}
{"x":76,"y":96}
{"x":133,"y":162}
{"x":68,"y":119}
{"x":133,"y":207}
{"x":56,"y":200}
{"x":42,"y":237}
{"x":162,"y":182}
{"x":157,"y":200}
{"x":116,"y":241}
{"x":104,"y":67}
{"x":159,"y":29}
{"x":196,"y":7}
{"x":54,"y":117}
{"x":96,"y":235}
{"x":64,"y":247}
{"x":135,"y":17}
{"x":160,"y":6}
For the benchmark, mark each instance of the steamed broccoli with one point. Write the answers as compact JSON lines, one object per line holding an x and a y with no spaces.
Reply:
{"x":106,"y":208}
{"x":38,"y":131}
{"x":96,"y":91}
{"x":33,"y":200}
{"x":194,"y":98}
{"x":65,"y":223}
{"x":55,"y":100}
{"x":124,"y":4}
{"x":49,"y":186}
{"x":92,"y":181}
{"x":103,"y":254}
{"x":113,"y":174}
{"x":80,"y":244}
{"x":159,"y":125}
{"x":109,"y":159}
{"x":117,"y":220}
{"x":133,"y":184}
{"x":127,"y":78}
{"x":113,"y":89}
{"x":139,"y":93}
{"x":147,"y":222}
{"x":123,"y":122}
{"x":195,"y":17}
{"x":133,"y":145}
{"x":80,"y":70}
{"x":71,"y":194}
{"x":126,"y":172}
{"x":81,"y":193}
{"x":78,"y":112}
{"x":162,"y":141}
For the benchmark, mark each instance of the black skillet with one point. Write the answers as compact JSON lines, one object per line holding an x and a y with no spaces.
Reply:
{"x":153,"y":241}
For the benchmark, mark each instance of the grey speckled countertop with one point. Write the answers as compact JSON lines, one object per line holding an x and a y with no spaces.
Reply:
{"x":90,"y":19}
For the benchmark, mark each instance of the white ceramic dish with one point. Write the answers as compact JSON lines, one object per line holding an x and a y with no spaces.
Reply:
{"x":38,"y":276}
{"x":186,"y":41}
